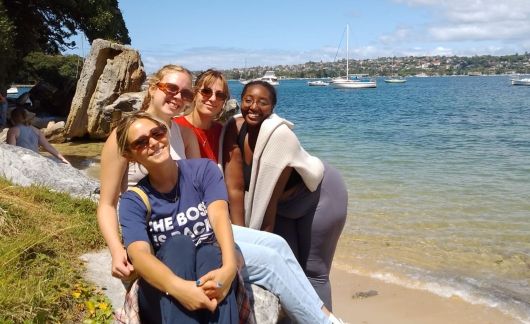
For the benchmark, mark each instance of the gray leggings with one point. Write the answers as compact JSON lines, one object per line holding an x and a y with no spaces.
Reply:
{"x":311,"y":222}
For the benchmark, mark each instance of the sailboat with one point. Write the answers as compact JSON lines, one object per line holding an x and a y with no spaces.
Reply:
{"x":347,"y":83}
{"x":395,"y":78}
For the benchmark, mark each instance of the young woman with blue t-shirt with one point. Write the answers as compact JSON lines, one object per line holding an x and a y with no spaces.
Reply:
{"x":185,"y":252}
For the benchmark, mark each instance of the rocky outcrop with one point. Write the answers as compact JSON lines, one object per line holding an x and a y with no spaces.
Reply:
{"x":110,"y":70}
{"x":25,"y":167}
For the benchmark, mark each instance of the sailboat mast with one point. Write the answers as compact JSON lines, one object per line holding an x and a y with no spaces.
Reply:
{"x":347,"y":51}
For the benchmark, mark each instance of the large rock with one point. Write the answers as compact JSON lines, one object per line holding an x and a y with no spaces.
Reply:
{"x":25,"y":167}
{"x":110,"y":70}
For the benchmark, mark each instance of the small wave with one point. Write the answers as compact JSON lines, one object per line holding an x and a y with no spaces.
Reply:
{"x":521,"y":313}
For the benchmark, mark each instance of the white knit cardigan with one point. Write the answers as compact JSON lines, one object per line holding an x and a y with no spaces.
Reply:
{"x":277,"y":147}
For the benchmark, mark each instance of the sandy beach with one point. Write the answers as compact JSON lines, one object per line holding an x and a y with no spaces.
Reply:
{"x":382,"y":302}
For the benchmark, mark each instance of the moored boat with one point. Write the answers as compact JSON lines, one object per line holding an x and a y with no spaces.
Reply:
{"x":317,"y":83}
{"x":523,"y":81}
{"x":269,"y":77}
{"x":396,"y":80}
{"x":347,"y":83}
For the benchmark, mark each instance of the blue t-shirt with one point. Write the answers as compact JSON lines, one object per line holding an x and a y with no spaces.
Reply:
{"x":200,"y":182}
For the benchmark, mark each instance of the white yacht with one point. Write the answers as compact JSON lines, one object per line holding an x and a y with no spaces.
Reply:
{"x":523,"y":81}
{"x":270,"y":77}
{"x":347,"y":83}
{"x":317,"y":83}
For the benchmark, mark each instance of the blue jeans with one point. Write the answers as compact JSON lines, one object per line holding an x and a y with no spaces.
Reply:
{"x":189,"y":263}
{"x":270,"y":263}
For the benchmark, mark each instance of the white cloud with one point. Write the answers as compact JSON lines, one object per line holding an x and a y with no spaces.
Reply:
{"x":476,"y":20}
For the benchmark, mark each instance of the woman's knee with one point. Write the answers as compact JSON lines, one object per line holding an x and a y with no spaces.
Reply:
{"x":179,"y":247}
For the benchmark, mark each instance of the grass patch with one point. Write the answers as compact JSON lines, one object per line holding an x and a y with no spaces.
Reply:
{"x":42,"y":235}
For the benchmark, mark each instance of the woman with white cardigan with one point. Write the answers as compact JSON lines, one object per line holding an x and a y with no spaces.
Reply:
{"x":275,"y":185}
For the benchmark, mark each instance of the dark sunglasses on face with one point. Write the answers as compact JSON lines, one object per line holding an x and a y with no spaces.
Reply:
{"x":142,"y":142}
{"x":171,"y":89}
{"x":208,"y":92}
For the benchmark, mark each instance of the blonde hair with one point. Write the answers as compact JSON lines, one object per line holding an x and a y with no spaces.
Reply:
{"x":122,"y":130}
{"x":159,"y":75}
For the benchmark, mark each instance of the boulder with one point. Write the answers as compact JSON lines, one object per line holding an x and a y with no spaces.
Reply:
{"x":54,"y":132}
{"x":110,"y":70}
{"x":25,"y":167}
{"x":49,"y":100}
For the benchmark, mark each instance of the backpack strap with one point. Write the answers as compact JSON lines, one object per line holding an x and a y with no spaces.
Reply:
{"x":145,"y":200}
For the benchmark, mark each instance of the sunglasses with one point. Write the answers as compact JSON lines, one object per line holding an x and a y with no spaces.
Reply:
{"x":208,"y":92}
{"x":171,"y":89}
{"x":142,"y":142}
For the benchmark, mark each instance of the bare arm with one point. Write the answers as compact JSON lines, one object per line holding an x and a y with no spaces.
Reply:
{"x":269,"y":219}
{"x":233,"y":171}
{"x":112,"y":182}
{"x":158,"y":275}
{"x":12,"y":135}
{"x":191,"y":146}
{"x":220,"y":221}
{"x":48,"y":147}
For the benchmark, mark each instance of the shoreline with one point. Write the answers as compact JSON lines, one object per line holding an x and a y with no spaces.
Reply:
{"x":362,"y":299}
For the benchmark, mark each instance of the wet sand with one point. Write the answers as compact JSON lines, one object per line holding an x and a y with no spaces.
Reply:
{"x":360,"y":299}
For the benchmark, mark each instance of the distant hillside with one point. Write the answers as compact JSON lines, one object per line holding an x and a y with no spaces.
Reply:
{"x":410,"y":65}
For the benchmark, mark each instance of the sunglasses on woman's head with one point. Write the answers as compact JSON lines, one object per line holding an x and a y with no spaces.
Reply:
{"x":142,"y":142}
{"x":208,"y":92}
{"x":171,"y":89}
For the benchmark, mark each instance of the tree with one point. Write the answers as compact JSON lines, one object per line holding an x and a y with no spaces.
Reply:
{"x":47,"y":25}
{"x":7,"y":51}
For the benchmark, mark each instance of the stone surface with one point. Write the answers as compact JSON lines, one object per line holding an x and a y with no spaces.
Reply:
{"x":110,"y":70}
{"x":54,"y":132}
{"x":127,"y":102}
{"x":25,"y":167}
{"x":266,"y":305}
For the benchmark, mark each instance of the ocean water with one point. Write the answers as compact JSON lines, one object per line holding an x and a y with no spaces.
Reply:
{"x":438,"y":176}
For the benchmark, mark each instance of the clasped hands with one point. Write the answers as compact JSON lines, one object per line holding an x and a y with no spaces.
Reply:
{"x":209,"y":290}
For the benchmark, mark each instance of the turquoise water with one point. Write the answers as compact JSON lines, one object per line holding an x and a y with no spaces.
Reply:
{"x":438,"y":175}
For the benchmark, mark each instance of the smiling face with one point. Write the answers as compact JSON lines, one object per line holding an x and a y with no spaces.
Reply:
{"x":210,"y":98}
{"x":147,"y":142}
{"x":167,"y":104}
{"x":256,"y":104}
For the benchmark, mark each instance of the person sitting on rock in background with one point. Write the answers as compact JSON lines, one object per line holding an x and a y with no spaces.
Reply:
{"x":24,"y":135}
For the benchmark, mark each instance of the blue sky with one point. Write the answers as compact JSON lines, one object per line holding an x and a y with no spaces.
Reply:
{"x":201,"y":34}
